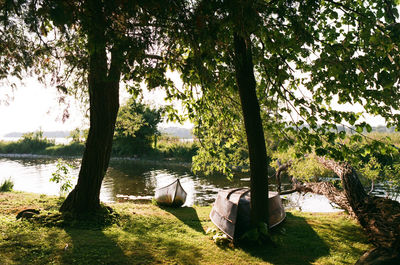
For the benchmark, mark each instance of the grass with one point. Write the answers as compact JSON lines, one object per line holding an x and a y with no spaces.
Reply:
{"x":6,"y":185}
{"x":147,"y":234}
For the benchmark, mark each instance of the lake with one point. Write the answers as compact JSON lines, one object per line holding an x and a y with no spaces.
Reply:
{"x":135,"y":179}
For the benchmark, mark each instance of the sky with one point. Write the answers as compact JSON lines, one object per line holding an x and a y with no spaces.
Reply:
{"x":33,"y":106}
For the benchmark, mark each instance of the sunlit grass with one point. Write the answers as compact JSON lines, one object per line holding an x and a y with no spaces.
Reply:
{"x":147,"y":234}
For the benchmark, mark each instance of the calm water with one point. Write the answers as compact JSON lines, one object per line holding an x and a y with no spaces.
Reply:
{"x":137,"y":180}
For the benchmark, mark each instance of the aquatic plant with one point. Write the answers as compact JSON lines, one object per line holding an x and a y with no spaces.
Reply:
{"x":6,"y":185}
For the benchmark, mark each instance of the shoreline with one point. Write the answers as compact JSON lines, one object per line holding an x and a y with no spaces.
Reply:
{"x":163,"y":161}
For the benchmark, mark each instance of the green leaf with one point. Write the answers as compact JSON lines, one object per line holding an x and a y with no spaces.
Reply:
{"x":342,"y":135}
{"x":368,"y":128}
{"x":321,"y":151}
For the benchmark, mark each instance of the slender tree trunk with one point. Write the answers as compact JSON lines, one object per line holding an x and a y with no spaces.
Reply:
{"x":103,"y":81}
{"x":259,"y":160}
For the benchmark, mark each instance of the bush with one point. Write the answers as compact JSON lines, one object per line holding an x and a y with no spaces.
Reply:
{"x":34,"y":141}
{"x":43,"y":147}
{"x":180,"y":150}
{"x":129,"y":146}
{"x":7,"y":185}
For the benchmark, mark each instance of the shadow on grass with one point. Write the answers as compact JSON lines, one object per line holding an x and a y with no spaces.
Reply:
{"x":92,"y":247}
{"x":167,"y":241}
{"x":296,"y":243}
{"x":188,"y":216}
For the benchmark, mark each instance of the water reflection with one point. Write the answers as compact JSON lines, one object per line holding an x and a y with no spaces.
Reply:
{"x":124,"y":179}
{"x":30,"y":175}
{"x":138,"y":180}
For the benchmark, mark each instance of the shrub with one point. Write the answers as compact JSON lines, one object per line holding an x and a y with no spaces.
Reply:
{"x":34,"y":142}
{"x":180,"y":150}
{"x":305,"y":168}
{"x":72,"y":149}
{"x":7,"y":185}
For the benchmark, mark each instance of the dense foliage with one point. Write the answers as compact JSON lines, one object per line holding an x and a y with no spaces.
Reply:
{"x":300,"y":61}
{"x":136,"y":128}
{"x":310,"y":59}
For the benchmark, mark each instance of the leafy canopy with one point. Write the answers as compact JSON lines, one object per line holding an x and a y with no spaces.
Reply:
{"x":311,"y":58}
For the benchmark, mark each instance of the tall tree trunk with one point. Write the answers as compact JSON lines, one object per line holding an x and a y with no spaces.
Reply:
{"x":259,"y":160}
{"x":103,"y":81}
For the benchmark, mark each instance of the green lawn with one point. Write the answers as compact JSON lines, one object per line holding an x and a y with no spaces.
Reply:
{"x":147,"y":234}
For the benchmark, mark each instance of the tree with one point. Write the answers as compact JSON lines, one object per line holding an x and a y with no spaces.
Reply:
{"x":218,"y":39}
{"x":103,"y":84}
{"x":136,"y":127}
{"x":305,"y":55}
{"x":100,"y":44}
{"x":246,"y":83}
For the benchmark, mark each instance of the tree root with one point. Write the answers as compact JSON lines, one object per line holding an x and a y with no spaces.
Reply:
{"x":379,"y":256}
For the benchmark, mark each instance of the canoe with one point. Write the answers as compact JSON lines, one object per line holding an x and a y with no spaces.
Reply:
{"x":231,"y":211}
{"x":171,"y":195}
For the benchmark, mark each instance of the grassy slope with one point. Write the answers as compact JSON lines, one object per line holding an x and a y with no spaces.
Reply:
{"x":147,"y":234}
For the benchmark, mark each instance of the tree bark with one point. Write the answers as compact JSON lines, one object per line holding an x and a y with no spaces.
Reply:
{"x":379,"y":217}
{"x":329,"y":191}
{"x":259,"y":160}
{"x":321,"y":188}
{"x":103,"y":82}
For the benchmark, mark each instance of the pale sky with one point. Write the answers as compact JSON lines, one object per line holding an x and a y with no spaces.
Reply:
{"x":35,"y":106}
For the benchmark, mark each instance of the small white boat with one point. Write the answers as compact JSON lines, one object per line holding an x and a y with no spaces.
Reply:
{"x":172,"y":195}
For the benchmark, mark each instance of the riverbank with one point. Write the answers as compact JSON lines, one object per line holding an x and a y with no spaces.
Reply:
{"x":147,"y":234}
{"x":181,"y":152}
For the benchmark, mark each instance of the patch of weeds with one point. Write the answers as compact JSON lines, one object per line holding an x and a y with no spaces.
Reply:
{"x":154,"y":202}
{"x":258,"y":235}
{"x":219,"y":238}
{"x":7,"y":185}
